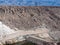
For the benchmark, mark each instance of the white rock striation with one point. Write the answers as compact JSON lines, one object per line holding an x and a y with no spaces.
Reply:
{"x":4,"y":30}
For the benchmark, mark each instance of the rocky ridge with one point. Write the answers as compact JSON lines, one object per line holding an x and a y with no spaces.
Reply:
{"x":30,"y":17}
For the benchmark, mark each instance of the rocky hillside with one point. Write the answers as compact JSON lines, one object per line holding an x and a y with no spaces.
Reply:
{"x":30,"y":17}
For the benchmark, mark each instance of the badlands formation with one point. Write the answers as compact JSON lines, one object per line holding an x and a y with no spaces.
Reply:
{"x":20,"y":18}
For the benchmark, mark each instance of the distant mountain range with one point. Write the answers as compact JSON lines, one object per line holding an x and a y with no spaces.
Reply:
{"x":31,"y":2}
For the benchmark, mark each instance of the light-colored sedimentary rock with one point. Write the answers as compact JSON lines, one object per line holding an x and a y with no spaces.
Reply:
{"x":23,"y":19}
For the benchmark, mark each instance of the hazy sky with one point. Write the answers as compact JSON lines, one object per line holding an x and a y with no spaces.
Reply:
{"x":31,"y":2}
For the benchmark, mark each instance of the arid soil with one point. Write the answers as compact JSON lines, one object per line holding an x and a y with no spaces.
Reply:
{"x":30,"y":17}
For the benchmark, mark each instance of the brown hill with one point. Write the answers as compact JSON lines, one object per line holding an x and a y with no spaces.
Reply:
{"x":30,"y":17}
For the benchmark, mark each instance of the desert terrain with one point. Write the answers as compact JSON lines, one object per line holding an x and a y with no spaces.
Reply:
{"x":29,"y":18}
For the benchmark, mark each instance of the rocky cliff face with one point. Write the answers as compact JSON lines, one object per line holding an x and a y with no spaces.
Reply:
{"x":30,"y":17}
